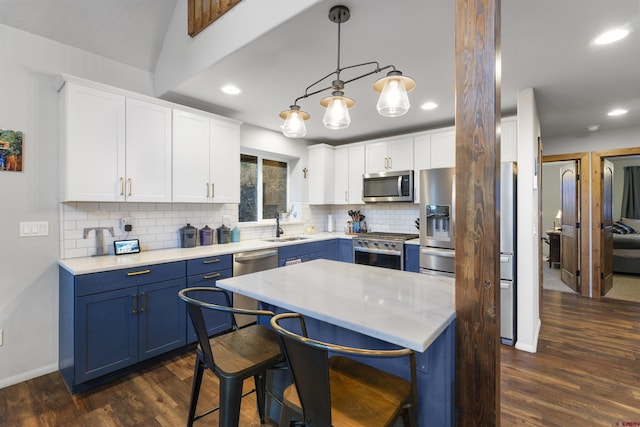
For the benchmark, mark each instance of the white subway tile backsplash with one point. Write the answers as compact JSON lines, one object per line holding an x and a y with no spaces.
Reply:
{"x":156,"y":225}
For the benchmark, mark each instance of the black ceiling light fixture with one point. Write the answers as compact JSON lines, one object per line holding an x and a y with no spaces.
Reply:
{"x":393,"y":89}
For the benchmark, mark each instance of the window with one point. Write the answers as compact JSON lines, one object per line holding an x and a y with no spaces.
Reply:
{"x":263,"y":188}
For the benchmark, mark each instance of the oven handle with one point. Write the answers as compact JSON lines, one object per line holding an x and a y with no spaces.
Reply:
{"x":377,"y":251}
{"x":447,"y":253}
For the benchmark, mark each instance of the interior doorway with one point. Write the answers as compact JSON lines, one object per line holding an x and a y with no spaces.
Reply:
{"x":555,"y":175}
{"x":565,"y":235}
{"x":619,"y":239}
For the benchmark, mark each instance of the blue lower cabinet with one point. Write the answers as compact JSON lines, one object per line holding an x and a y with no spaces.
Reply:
{"x":216,"y":321}
{"x":112,"y":320}
{"x":345,"y":250}
{"x":302,"y":252}
{"x":332,"y":249}
{"x":161,"y":318}
{"x":106,"y":333}
{"x":412,"y":258}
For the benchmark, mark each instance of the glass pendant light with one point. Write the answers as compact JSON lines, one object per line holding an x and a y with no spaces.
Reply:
{"x":393,"y":89}
{"x":337,"y":114}
{"x":294,"y":126}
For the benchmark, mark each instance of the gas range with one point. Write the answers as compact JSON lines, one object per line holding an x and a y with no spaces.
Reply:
{"x":381,"y":249}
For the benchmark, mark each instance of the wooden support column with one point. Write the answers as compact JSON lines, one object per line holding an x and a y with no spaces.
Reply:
{"x":477,"y":89}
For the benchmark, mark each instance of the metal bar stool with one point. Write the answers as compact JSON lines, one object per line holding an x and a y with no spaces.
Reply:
{"x":339,"y":391}
{"x":232,"y":357}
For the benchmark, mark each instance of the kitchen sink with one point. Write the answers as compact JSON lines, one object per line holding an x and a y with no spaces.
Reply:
{"x":286,"y":239}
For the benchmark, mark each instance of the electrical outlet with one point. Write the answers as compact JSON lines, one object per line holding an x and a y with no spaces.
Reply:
{"x":125,"y":224}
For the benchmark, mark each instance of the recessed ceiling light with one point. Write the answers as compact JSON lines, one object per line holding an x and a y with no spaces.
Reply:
{"x":230,"y":89}
{"x":611,"y":36}
{"x":429,"y":106}
{"x":617,"y":112}
{"x":593,"y":128}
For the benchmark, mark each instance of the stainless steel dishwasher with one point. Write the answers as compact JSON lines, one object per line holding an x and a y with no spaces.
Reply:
{"x":251,"y":262}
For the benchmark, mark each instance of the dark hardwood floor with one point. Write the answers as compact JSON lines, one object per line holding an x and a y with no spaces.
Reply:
{"x":586,"y":373}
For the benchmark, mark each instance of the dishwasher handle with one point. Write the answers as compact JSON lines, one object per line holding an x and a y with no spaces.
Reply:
{"x":252,"y":256}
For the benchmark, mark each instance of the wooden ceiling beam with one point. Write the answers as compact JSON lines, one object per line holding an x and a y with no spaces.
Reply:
{"x":202,"y":13}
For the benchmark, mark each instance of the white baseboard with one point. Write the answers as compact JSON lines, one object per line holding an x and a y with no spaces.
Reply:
{"x":24,"y":376}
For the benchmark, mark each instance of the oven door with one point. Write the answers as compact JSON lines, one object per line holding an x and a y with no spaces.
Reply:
{"x":375,"y":258}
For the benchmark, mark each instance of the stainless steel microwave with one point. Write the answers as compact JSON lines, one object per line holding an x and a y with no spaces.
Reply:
{"x":387,"y":187}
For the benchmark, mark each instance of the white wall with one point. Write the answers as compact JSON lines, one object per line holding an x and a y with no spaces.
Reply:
{"x":595,"y":141}
{"x":528,"y":234}
{"x":28,"y":266}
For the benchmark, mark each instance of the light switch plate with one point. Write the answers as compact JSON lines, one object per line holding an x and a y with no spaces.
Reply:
{"x":34,"y":228}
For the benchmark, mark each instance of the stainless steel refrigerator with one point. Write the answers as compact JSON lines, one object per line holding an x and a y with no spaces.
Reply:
{"x":437,"y":235}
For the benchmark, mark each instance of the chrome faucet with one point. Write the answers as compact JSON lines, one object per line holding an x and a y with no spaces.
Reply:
{"x":99,"y":237}
{"x":279,"y":230}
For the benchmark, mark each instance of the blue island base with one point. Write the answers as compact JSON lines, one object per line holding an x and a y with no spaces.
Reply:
{"x":435,"y":369}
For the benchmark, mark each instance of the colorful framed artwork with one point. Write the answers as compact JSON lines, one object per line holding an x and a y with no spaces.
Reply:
{"x":10,"y":150}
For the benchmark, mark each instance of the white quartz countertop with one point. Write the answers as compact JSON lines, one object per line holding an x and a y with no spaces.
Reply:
{"x":407,"y":309}
{"x":98,"y":264}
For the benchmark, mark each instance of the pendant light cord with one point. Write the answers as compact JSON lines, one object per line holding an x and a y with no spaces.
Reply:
{"x":338,"y":69}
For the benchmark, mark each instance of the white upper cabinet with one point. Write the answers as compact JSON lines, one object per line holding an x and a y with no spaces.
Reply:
{"x":443,"y":149}
{"x":393,"y":155}
{"x":321,"y":174}
{"x":191,"y":163}
{"x":206,"y":159}
{"x":509,"y":140}
{"x":349,"y":164}
{"x":225,"y":161}
{"x":148,"y":152}
{"x":114,"y":148}
{"x":93,"y":144}
{"x":118,"y":146}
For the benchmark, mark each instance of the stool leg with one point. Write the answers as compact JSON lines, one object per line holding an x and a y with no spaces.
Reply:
{"x":195,"y":390}
{"x":261,"y":384}
{"x":287,"y":415}
{"x":230,"y":399}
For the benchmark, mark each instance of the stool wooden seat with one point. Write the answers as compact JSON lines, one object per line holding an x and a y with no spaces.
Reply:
{"x":232,"y":357}
{"x":339,"y":391}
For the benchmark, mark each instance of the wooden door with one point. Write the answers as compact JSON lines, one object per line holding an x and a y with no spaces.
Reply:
{"x":607,"y":226}
{"x":569,"y":235}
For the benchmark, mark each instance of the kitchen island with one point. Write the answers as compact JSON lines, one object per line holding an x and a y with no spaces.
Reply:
{"x":370,"y":307}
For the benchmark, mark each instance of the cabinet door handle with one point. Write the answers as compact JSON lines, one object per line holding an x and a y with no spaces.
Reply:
{"x":121,"y":186}
{"x":135,"y":304}
{"x":137,"y":273}
{"x":211,"y":276}
{"x":130,"y":186}
{"x":211,"y":261}
{"x":346,"y":196}
{"x":143,"y":302}
{"x":207,"y":184}
{"x":213,"y":190}
{"x":390,"y":160}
